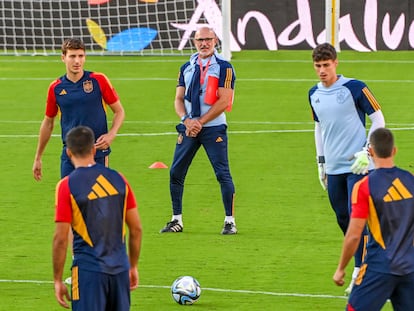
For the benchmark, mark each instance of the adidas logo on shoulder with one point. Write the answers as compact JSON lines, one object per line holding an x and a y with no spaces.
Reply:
{"x":397,"y":192}
{"x":101,"y":189}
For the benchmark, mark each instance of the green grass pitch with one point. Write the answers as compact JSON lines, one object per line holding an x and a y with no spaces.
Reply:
{"x":288,"y":243}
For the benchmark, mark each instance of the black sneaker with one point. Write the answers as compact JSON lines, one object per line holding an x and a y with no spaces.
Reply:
{"x":172,"y":226}
{"x":229,"y":228}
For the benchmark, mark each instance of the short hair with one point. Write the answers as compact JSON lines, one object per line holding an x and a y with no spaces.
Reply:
{"x":72,"y":44}
{"x":324,"y":51}
{"x":80,"y":140}
{"x":207,"y":27}
{"x":382,"y":141}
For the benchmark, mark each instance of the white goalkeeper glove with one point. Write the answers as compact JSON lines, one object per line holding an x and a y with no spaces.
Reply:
{"x":361,"y":162}
{"x":323,"y":179}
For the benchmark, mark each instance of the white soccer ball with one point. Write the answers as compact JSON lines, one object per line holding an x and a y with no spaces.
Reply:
{"x":185,"y":290}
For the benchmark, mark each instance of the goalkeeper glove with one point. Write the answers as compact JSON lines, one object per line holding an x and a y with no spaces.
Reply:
{"x":323,"y":179}
{"x":361,"y":162}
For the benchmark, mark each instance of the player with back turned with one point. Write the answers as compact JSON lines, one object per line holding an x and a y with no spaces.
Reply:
{"x":340,"y":106}
{"x":98,"y":205}
{"x":383,"y":200}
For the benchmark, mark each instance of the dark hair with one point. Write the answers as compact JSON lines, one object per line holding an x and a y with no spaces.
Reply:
{"x":80,"y":140}
{"x":72,"y":44}
{"x":324,"y":51}
{"x":382,"y":141}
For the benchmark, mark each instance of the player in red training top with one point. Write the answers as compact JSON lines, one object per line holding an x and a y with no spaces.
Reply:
{"x":383,"y":200}
{"x":98,"y":204}
{"x":79,"y":98}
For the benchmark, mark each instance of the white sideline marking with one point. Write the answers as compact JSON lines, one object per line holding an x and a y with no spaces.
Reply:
{"x":283,"y":80}
{"x":175,"y":122}
{"x":175,"y":133}
{"x":240,"y":291}
{"x":273,"y":293}
{"x":160,"y":134}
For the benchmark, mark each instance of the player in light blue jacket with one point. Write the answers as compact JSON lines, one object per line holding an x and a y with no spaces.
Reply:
{"x":340,"y":106}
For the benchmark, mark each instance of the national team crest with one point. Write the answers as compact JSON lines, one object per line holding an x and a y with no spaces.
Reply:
{"x":340,"y":97}
{"x":88,"y":86}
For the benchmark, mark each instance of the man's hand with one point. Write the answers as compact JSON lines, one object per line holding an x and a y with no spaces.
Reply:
{"x":338,"y":277}
{"x":37,"y":170}
{"x":133,"y":278}
{"x":193,"y":127}
{"x":62,"y":294}
{"x":104,"y":141}
{"x":361,"y":162}
{"x":323,"y":179}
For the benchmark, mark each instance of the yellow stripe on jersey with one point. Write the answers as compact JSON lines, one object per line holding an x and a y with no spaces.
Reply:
{"x":361,"y":274}
{"x":106,"y":185}
{"x":78,"y":223}
{"x":393,"y":195}
{"x":92,"y":196}
{"x":229,"y":77}
{"x":102,"y":188}
{"x":125,"y":210}
{"x":397,"y":192}
{"x":371,"y":99}
{"x":354,"y":194}
{"x":75,"y":283}
{"x":99,"y":191}
{"x":104,"y":106}
{"x":364,"y":252}
{"x":374,"y":225}
{"x":402,"y":189}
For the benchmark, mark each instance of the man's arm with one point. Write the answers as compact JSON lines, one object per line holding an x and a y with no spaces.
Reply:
{"x":133,"y":222}
{"x":362,"y":158}
{"x":105,"y":141}
{"x":45,"y":132}
{"x":350,"y":244}
{"x":60,"y":245}
{"x":179,"y":101}
{"x":318,"y":140}
{"x":320,"y":156}
{"x":377,"y":121}
{"x":193,"y":127}
{"x":225,"y":95}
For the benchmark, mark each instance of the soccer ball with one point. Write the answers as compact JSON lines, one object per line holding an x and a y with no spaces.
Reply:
{"x":185,"y":290}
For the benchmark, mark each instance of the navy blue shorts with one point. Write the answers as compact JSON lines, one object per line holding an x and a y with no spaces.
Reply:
{"x":96,"y":291}
{"x":372,"y":290}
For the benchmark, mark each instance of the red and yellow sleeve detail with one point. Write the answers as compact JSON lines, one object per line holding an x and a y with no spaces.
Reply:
{"x":109,"y":94}
{"x":52,"y":108}
{"x":363,"y":207}
{"x":63,"y":212}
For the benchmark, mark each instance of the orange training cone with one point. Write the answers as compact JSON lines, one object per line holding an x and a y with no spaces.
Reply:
{"x":158,"y":165}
